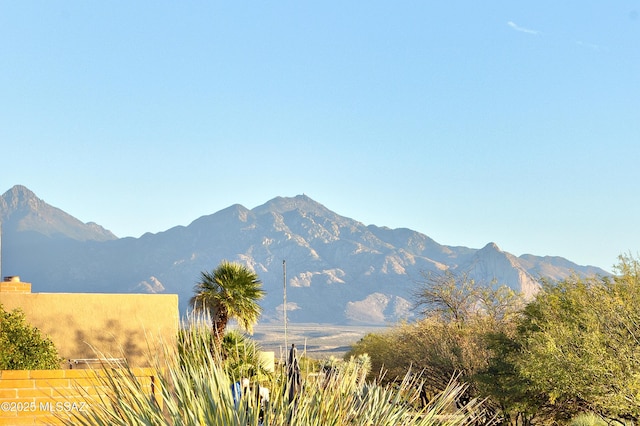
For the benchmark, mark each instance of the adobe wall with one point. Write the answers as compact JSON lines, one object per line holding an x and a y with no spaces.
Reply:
{"x":119,"y":325}
{"x":29,"y":397}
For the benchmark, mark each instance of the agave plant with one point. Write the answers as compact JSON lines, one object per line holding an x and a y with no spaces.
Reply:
{"x":197,"y":390}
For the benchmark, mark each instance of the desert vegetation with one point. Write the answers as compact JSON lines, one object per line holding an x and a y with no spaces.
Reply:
{"x":197,"y":388}
{"x":213,"y":377}
{"x":479,"y":355}
{"x":569,"y":356}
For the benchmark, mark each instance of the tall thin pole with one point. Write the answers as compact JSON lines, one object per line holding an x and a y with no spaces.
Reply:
{"x":284,"y":305}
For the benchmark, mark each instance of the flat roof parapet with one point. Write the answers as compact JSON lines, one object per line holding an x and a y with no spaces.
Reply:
{"x":12,"y":284}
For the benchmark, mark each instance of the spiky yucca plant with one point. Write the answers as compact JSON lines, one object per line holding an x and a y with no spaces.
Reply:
{"x":196,"y":390}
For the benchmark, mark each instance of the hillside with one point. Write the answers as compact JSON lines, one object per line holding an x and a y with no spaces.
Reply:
{"x":338,"y":270}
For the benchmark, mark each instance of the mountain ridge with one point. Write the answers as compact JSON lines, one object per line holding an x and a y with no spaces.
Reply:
{"x":20,"y":207}
{"x":338,"y":270}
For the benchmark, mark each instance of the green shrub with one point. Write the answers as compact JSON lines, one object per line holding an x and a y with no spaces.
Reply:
{"x":239,"y":354}
{"x":242,"y":356}
{"x":22,"y":347}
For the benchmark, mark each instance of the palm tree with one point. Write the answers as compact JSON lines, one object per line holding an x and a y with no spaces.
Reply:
{"x":231,"y":291}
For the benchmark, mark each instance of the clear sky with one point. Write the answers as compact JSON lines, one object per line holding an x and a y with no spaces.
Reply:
{"x":472,"y":122}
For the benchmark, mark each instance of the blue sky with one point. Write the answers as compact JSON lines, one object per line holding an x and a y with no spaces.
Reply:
{"x":472,"y":122}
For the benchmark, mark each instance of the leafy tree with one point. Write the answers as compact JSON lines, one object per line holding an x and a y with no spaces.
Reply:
{"x":458,"y":299}
{"x":447,"y":296}
{"x":22,"y":347}
{"x":577,"y":348}
{"x":387,"y":352}
{"x":231,"y":291}
{"x":451,"y":339}
{"x":511,"y":394}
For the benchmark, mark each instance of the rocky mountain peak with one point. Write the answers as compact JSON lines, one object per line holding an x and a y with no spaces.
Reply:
{"x":21,"y":210}
{"x":492,"y":265}
{"x":301,"y":203}
{"x":19,"y":198}
{"x":491,"y":247}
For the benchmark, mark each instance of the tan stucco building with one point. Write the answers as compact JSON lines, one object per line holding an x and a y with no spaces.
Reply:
{"x":79,"y":324}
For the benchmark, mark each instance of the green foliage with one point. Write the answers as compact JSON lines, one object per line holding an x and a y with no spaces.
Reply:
{"x":238,"y":356}
{"x":22,"y":347}
{"x":576,"y":349}
{"x":197,"y":391}
{"x":451,"y":340}
{"x":508,"y":391}
{"x":458,"y":299}
{"x":231,"y":291}
{"x":381,"y":348}
{"x":585,"y":354}
{"x":193,"y":340}
{"x":439,"y":349}
{"x":242,"y":357}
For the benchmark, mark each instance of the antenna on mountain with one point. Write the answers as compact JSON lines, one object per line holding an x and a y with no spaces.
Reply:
{"x":284,"y":304}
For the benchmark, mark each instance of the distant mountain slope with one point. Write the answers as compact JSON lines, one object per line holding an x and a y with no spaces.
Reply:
{"x":22,"y":211}
{"x":338,"y":270}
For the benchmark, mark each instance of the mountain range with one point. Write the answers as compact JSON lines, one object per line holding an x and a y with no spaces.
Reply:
{"x":337,"y":269}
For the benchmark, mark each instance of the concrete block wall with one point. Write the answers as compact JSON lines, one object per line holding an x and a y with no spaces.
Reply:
{"x":37,"y":397}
